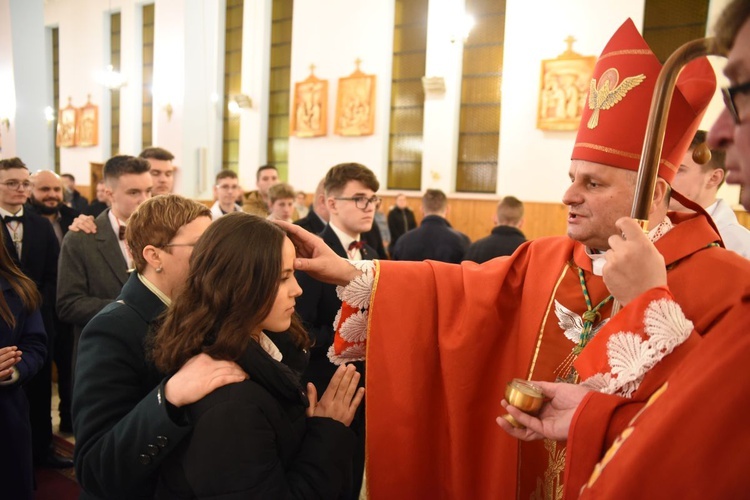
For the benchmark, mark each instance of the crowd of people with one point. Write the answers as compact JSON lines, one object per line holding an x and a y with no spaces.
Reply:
{"x":265,"y":347}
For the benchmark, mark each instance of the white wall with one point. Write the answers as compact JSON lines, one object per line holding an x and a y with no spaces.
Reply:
{"x":343,"y":31}
{"x":7,"y":85}
{"x":534,"y":163}
{"x":24,"y":84}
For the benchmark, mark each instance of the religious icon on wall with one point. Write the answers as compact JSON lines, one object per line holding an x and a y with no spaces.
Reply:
{"x":66,"y":126}
{"x":564,"y":84}
{"x":87,"y":130}
{"x":355,"y":104}
{"x":310,"y":109}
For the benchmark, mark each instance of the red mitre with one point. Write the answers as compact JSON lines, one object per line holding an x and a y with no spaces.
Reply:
{"x":613,"y":125}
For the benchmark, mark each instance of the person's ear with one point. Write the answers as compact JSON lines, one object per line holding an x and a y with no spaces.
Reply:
{"x":152,"y":255}
{"x":715,"y":178}
{"x":331,"y":205}
{"x":660,"y":192}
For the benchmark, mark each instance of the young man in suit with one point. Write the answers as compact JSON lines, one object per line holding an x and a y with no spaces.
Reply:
{"x":94,"y":267}
{"x":32,"y":244}
{"x":162,"y":170}
{"x":351,"y":203}
{"x":47,"y":200}
{"x":434,"y":239}
{"x":505,"y":237}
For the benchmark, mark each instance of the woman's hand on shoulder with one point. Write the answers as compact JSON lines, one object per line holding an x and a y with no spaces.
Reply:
{"x":341,"y":399}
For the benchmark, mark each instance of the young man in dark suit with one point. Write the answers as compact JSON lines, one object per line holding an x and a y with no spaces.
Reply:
{"x":47,"y":200}
{"x":32,"y":244}
{"x":434,"y":239}
{"x":351,"y":203}
{"x":505,"y":237}
{"x":94,"y":266}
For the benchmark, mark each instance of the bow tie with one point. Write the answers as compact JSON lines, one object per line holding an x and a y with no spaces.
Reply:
{"x":13,"y":218}
{"x":121,"y":232}
{"x":356,"y":245}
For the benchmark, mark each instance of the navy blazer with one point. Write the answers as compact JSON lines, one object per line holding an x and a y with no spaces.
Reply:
{"x":311,"y":223}
{"x":16,"y":471}
{"x":502,"y":241}
{"x":434,"y":239}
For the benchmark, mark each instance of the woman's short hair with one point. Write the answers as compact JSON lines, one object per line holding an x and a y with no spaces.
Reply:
{"x":156,"y":222}
{"x":234,"y":277}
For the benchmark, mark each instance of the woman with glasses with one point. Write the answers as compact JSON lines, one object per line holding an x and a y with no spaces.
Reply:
{"x":22,"y":352}
{"x":126,"y":414}
{"x":266,"y":437}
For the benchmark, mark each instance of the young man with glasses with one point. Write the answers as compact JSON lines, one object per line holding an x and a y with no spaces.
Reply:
{"x":31,"y":242}
{"x":225,"y":192}
{"x":351,"y":201}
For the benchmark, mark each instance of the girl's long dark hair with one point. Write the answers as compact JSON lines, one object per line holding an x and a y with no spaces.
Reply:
{"x":233,"y":280}
{"x":21,"y":284}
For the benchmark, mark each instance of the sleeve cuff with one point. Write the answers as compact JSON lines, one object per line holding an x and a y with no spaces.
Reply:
{"x":14,"y":376}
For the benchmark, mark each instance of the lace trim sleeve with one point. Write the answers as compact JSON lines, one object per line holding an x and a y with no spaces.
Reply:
{"x":631,"y":355}
{"x":350,"y":324}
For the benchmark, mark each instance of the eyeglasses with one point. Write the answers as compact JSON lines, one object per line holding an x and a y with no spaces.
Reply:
{"x":730,"y":94}
{"x":362,"y":203}
{"x":13,"y":184}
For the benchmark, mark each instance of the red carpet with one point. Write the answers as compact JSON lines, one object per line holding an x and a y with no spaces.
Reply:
{"x":57,"y":484}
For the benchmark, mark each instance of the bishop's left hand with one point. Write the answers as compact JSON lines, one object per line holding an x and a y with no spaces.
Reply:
{"x":554,"y":418}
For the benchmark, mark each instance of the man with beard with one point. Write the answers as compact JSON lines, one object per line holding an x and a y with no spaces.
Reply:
{"x":31,"y":242}
{"x":47,"y":200}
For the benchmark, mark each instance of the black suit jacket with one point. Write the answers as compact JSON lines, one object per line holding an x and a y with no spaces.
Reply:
{"x":311,"y":223}
{"x":399,"y":222}
{"x":317,"y":306}
{"x":39,"y":253}
{"x":120,"y":415}
{"x":502,"y":241}
{"x":434,"y":239}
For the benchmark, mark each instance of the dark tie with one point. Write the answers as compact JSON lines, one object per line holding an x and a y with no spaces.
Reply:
{"x":121,"y":232}
{"x":356,"y":245}
{"x":13,"y":218}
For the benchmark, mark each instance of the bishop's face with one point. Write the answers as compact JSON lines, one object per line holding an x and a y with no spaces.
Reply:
{"x":597,"y":197}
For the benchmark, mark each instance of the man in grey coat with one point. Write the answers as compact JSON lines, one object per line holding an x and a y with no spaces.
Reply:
{"x":94,"y":267}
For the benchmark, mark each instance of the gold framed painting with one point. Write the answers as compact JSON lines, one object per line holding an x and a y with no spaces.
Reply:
{"x":87,"y":130}
{"x":66,"y":126}
{"x":563,"y":88}
{"x":309,"y":114}
{"x":355,"y":104}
